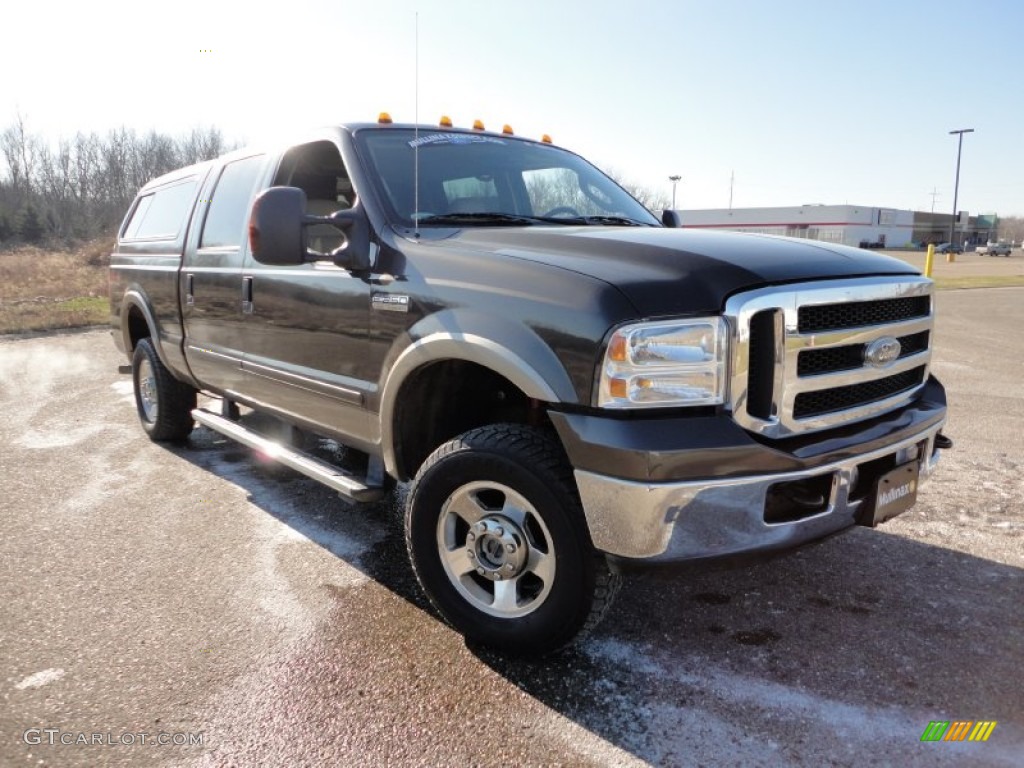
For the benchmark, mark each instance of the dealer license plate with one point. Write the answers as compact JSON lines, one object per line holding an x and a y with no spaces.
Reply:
{"x":896,"y":493}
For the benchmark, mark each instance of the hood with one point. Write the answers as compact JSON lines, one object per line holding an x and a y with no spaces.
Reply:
{"x":672,"y":271}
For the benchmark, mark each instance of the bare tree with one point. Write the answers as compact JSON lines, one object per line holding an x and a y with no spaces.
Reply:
{"x":1011,"y":228}
{"x":649,"y":197}
{"x":20,"y":151}
{"x":81,"y":187}
{"x":200,"y":144}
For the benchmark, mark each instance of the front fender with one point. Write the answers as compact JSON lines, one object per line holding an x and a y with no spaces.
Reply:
{"x":508,"y":348}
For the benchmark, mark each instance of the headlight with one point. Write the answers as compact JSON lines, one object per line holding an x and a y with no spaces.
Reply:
{"x":669,"y":363}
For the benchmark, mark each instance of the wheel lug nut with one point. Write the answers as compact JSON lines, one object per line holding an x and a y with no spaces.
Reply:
{"x":471,"y":536}
{"x":500,"y":531}
{"x":510,"y":547}
{"x":509,"y":567}
{"x":480,"y":571}
{"x":470,"y":553}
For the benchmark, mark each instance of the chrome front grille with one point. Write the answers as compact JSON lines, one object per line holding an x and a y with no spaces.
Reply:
{"x":803,"y":360}
{"x":811,"y":362}
{"x":834,"y":317}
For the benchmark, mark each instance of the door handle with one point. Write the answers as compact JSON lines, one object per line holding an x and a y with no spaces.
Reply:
{"x":190,"y":284}
{"x":246,"y":295}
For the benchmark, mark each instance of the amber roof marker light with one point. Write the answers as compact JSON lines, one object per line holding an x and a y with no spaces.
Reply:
{"x":445,"y":121}
{"x":384,"y":118}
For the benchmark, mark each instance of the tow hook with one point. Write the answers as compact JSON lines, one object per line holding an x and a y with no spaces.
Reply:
{"x":942,"y":442}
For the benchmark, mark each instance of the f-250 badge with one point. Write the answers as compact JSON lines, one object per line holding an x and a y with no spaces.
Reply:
{"x":390,"y":302}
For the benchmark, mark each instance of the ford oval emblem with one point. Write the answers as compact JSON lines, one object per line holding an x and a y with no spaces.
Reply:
{"x":883,"y":352}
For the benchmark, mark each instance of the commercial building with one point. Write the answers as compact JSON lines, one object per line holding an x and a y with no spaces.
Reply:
{"x":856,"y":225}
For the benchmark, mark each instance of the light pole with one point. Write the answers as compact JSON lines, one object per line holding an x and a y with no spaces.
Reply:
{"x":956,"y":187}
{"x":675,"y":181}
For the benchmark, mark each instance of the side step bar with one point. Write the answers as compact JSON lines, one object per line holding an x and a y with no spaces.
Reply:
{"x":346,"y":484}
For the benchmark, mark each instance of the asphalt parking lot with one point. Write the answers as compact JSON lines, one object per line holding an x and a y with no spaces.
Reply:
{"x":197,"y":593}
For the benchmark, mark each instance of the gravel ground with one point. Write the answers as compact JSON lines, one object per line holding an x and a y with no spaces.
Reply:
{"x":194,"y":590}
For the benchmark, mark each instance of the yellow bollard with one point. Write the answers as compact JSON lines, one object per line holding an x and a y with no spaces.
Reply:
{"x":928,"y":260}
{"x":950,"y":257}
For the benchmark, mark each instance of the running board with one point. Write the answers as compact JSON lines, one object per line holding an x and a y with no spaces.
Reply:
{"x":348,"y":485}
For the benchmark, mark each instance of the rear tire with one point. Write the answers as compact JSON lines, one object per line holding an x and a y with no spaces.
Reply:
{"x":164,"y":403}
{"x":498,"y":540}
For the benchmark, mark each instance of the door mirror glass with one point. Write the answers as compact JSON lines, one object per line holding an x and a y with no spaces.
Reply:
{"x":276,"y":232}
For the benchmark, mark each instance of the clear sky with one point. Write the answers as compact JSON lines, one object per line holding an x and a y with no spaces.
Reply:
{"x":805,"y":101}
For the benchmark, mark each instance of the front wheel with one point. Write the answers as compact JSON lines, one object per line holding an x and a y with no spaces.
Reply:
{"x":164,"y":403}
{"x":498,"y":540}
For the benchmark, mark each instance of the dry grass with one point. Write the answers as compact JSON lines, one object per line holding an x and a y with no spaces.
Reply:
{"x":42,"y":289}
{"x":978,"y":281}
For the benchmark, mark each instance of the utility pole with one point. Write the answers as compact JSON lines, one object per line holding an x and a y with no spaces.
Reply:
{"x":956,"y":186}
{"x":732,"y":178}
{"x":675,"y":180}
{"x":935,"y":193}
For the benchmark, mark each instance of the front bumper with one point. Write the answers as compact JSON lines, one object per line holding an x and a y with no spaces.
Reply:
{"x":725,"y":513}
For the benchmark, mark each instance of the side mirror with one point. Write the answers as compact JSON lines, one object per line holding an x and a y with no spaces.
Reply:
{"x":671,"y":218}
{"x":276,"y":234}
{"x":277,"y":230}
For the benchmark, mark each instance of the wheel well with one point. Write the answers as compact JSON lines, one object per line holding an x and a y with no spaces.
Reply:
{"x":449,"y":397}
{"x":138,"y":328}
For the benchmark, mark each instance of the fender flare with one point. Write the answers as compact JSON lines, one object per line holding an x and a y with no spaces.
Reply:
{"x":135,"y":299}
{"x":499,"y":346}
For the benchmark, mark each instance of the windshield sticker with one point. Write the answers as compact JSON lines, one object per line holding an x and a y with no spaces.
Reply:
{"x":453,"y":138}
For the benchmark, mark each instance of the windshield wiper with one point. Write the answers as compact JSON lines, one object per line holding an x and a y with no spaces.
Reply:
{"x":592,"y":221}
{"x":494,"y":218}
{"x":483,"y":218}
{"x":621,"y":220}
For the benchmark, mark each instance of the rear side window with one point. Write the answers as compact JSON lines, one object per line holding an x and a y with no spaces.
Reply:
{"x":225,"y":218}
{"x":160,"y":215}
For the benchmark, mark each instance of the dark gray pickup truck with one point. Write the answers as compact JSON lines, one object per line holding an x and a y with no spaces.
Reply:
{"x":568,"y":382}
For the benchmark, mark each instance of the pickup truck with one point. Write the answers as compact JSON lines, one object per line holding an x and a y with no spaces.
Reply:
{"x":568,"y":383}
{"x":994,"y":249}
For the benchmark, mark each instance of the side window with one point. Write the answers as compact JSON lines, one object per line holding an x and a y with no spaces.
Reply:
{"x":317,"y":169}
{"x":225,"y":215}
{"x":160,"y":215}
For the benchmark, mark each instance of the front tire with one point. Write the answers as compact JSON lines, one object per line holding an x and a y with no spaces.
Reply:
{"x":498,"y":540}
{"x":164,"y":404}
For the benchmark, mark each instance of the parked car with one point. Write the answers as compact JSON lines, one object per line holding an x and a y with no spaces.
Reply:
{"x":948,"y":248}
{"x":995,"y":249}
{"x":568,"y":382}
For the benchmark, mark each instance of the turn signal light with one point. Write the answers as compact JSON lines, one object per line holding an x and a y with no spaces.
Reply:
{"x":617,"y":349}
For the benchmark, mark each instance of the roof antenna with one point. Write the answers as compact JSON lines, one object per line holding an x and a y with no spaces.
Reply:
{"x":416,"y":135}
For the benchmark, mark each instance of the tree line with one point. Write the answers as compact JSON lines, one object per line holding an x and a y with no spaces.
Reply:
{"x":80,"y":187}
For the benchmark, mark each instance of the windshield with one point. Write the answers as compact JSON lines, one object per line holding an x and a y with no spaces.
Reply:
{"x":481,"y":179}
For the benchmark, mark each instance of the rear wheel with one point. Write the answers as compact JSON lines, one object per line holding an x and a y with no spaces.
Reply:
{"x":498,"y":540}
{"x":164,"y":403}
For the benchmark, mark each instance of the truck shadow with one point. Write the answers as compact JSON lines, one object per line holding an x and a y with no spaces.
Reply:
{"x":857,"y":641}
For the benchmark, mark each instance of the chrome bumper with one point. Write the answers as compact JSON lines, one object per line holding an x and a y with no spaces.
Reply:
{"x":710,"y":518}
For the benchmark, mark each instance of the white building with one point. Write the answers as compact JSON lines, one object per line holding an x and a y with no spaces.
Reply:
{"x":855,"y":225}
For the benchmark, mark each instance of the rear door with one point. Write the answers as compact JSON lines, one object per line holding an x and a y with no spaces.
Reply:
{"x":211,"y":278}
